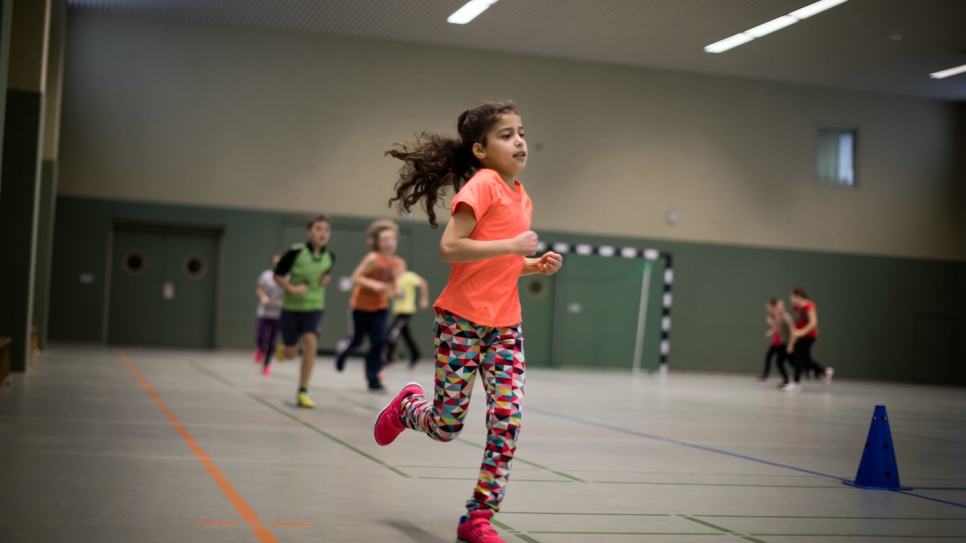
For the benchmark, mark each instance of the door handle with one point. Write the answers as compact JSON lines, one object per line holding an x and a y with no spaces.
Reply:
{"x":167,"y":290}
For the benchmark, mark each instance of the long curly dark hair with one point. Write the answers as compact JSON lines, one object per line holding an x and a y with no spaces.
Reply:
{"x":434,"y":162}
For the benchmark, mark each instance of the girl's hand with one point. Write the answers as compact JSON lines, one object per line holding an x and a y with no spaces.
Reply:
{"x":525,"y":244}
{"x":264,"y":299}
{"x":325,"y":279}
{"x":300,"y":290}
{"x":423,"y":304}
{"x":549,"y":263}
{"x":790,"y":349}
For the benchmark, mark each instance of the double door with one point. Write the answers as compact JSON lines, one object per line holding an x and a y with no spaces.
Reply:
{"x":163,"y":286}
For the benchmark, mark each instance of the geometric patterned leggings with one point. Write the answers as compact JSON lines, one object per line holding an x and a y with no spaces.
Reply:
{"x":462,"y":349}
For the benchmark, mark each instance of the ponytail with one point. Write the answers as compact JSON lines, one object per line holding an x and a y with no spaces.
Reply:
{"x":433,"y":162}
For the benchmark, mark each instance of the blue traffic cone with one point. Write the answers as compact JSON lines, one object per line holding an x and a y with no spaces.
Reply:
{"x":878,"y":469}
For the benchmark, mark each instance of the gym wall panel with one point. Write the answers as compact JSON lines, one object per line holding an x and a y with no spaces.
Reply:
{"x":868,"y":305}
{"x":200,"y":114}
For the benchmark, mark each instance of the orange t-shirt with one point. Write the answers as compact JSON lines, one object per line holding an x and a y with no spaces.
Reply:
{"x":364,"y":299}
{"x":486,"y":292}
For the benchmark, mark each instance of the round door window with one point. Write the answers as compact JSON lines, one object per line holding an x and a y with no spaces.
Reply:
{"x":134,"y":262}
{"x":195,"y":266}
{"x":537,"y":288}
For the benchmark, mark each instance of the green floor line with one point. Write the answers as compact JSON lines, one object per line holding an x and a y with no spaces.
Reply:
{"x":866,"y":535}
{"x":517,"y":533}
{"x":722,"y":529}
{"x":586,"y":514}
{"x":529,"y":463}
{"x":826,"y":518}
{"x":330,"y":436}
{"x":475,"y":479}
{"x":358,"y":403}
{"x":715,"y":534}
{"x":580,"y":470}
{"x":210,"y":373}
{"x":424,"y":466}
{"x":716,"y":484}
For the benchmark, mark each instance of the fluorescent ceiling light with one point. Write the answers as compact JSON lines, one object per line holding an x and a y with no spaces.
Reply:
{"x":817,"y":7}
{"x":949,"y":72}
{"x":469,"y":11}
{"x":771,"y":26}
{"x":728,"y":43}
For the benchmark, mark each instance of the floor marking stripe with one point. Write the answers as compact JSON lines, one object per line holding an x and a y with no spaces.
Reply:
{"x":210,"y":373}
{"x":716,"y":451}
{"x":524,"y":537}
{"x":475,"y":479}
{"x":866,"y":535}
{"x":527,"y":462}
{"x":326,"y":434}
{"x":587,"y":514}
{"x":722,"y":529}
{"x":717,"y":484}
{"x":784,"y":517}
{"x":713,"y":534}
{"x":244,"y":510}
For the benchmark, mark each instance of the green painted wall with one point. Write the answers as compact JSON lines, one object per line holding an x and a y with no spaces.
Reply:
{"x":868,"y":306}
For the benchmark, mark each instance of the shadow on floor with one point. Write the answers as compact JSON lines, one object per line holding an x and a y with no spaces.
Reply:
{"x":416,"y":533}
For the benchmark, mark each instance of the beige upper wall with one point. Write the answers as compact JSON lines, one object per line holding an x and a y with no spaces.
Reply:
{"x":170,"y":111}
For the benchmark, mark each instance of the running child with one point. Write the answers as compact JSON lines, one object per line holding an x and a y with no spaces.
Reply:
{"x":308,"y":267}
{"x":802,"y":340}
{"x":375,"y":280}
{"x":269,"y":311}
{"x":779,"y":330}
{"x":404,"y":307}
{"x":478,"y":316}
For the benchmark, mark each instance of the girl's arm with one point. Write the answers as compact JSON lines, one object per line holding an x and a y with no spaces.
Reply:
{"x":423,"y":293}
{"x":456,"y":246}
{"x":548,"y":264}
{"x":261,"y":294}
{"x":812,"y":324}
{"x":364,"y":268}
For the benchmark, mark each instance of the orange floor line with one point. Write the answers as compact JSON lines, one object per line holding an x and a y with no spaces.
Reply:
{"x":244,"y":510}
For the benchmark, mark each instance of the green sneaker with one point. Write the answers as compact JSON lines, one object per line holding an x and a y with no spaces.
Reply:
{"x":304,"y":401}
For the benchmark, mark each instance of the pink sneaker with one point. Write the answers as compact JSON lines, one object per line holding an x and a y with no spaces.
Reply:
{"x":476,"y":528}
{"x":266,"y":370}
{"x":258,"y":356}
{"x":388,"y":425}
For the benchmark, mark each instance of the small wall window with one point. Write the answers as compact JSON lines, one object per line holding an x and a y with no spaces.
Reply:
{"x":133,"y":262}
{"x":537,"y":288}
{"x":835,"y":160}
{"x":195,"y":266}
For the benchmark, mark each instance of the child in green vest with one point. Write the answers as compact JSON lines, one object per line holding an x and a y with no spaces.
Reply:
{"x":303,"y":273}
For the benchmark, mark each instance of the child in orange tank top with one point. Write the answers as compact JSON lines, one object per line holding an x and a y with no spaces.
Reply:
{"x":375,"y":283}
{"x":487,"y":242}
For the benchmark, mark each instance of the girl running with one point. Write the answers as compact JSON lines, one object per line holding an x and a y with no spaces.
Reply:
{"x":269,"y":312}
{"x":375,"y":280}
{"x":404,"y":307}
{"x":478,"y":314}
{"x":779,"y":329}
{"x":803,"y":337}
